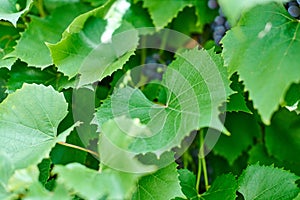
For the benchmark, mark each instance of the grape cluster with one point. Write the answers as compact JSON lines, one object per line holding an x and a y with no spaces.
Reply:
{"x":220,"y":24}
{"x":153,"y":70}
{"x":293,"y":8}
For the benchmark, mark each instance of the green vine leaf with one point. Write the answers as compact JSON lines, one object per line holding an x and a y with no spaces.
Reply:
{"x":224,"y":187}
{"x":84,"y":50}
{"x":284,"y":131}
{"x":233,"y":9}
{"x":9,"y":10}
{"x":188,"y":184}
{"x":8,"y":37}
{"x":20,"y":74}
{"x":192,"y":102}
{"x":162,"y":12}
{"x":244,"y":129}
{"x":29,"y":119}
{"x":266,"y":182}
{"x":247,"y":50}
{"x":6,"y":171}
{"x":161,"y":185}
{"x":31,"y":47}
{"x":91,"y":184}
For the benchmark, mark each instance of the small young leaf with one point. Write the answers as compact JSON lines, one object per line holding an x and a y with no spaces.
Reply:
{"x":188,"y":184}
{"x":161,"y":185}
{"x":224,"y":187}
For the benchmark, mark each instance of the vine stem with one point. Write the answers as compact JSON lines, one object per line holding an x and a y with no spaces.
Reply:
{"x":201,"y":163}
{"x":198,"y":174}
{"x":79,"y":148}
{"x":40,"y":7}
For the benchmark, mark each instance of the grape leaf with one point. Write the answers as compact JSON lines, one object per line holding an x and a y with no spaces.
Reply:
{"x":144,"y":21}
{"x":82,"y":51}
{"x":21,"y":74}
{"x":258,"y":153}
{"x":31,"y":47}
{"x":29,"y":119}
{"x":44,"y":168}
{"x":188,"y":184}
{"x":161,"y":185}
{"x":6,"y":171}
{"x":24,"y":182}
{"x":223,"y":187}
{"x":8,"y":35}
{"x":266,"y":71}
{"x":114,"y":145}
{"x":267,"y":182}
{"x":192,"y":102}
{"x":162,"y":12}
{"x":237,"y":100}
{"x":37,"y":191}
{"x":91,"y":184}
{"x":293,"y":94}
{"x":243,"y":128}
{"x":284,"y":131}
{"x":204,"y":14}
{"x":233,"y":9}
{"x":10,"y":12}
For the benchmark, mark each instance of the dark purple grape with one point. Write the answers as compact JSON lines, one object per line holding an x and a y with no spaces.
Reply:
{"x":220,"y":30}
{"x":292,"y":3}
{"x":217,"y":38}
{"x":212,"y":4}
{"x":219,"y":20}
{"x":294,"y":11}
{"x":221,"y":12}
{"x":227,"y":25}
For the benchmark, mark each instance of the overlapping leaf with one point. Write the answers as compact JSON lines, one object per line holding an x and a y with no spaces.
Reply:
{"x":31,"y":47}
{"x":188,"y":184}
{"x":284,"y":131}
{"x":8,"y":35}
{"x":243,"y":129}
{"x":161,"y":185}
{"x":28,"y":123}
{"x":84,"y":51}
{"x":268,"y":64}
{"x":91,"y":184}
{"x":194,"y":92}
{"x":9,"y":10}
{"x":162,"y":12}
{"x":224,"y":187}
{"x":233,"y":9}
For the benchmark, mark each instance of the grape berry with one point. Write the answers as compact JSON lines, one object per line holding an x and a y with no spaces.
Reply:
{"x":220,"y":24}
{"x":293,"y":8}
{"x":153,"y":70}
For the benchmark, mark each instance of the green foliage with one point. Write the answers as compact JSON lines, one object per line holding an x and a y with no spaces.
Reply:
{"x":267,"y":182}
{"x":11,"y":10}
{"x":244,"y":44}
{"x":82,"y":118}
